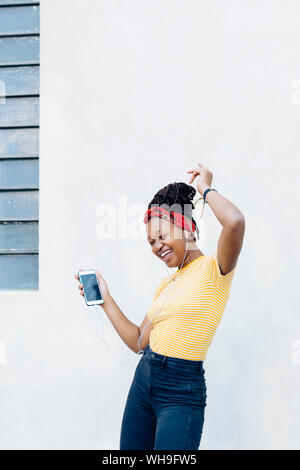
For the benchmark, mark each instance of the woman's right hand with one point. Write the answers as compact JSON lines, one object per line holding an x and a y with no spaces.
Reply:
{"x":102,"y":283}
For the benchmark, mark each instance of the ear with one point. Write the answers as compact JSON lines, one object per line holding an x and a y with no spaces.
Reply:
{"x":187,"y":235}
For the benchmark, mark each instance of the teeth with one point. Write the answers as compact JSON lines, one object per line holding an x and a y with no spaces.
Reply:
{"x":165,"y":253}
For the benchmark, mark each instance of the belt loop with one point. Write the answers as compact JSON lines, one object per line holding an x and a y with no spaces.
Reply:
{"x":164,"y":361}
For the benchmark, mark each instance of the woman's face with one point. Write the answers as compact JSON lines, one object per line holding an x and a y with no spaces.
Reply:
{"x":165,"y":236}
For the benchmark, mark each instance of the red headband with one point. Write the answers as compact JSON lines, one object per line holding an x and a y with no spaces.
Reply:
{"x":175,"y":217}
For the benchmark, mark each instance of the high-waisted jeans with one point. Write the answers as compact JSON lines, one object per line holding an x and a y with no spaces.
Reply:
{"x":165,"y":404}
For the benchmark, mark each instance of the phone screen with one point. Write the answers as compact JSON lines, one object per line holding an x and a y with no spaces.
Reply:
{"x":90,"y":287}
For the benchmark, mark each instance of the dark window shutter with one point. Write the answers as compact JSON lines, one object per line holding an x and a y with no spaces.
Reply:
{"x":19,"y":144}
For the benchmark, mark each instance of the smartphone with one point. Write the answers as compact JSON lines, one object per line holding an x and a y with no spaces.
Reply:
{"x":92,"y":292}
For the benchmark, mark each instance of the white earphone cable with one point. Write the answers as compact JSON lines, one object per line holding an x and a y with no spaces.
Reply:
{"x":169,"y":291}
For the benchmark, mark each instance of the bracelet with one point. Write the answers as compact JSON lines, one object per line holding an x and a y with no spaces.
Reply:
{"x":205,"y":192}
{"x":204,"y":201}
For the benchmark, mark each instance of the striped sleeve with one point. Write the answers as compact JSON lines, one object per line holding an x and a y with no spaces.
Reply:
{"x":215,"y":274}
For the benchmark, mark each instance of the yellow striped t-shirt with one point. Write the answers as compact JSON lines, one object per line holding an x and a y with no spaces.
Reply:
{"x":189,"y":317}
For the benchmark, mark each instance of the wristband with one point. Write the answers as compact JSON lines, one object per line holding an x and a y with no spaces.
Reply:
{"x":205,"y":192}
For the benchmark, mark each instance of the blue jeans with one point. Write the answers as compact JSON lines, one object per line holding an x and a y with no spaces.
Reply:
{"x":165,"y":404}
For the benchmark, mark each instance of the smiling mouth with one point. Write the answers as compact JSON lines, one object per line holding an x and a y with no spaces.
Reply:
{"x":166,"y":256}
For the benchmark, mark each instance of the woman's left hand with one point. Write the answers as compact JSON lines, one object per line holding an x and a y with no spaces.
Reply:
{"x":205,"y":177}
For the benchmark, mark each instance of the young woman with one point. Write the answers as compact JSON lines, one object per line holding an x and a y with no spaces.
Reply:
{"x":167,"y":398}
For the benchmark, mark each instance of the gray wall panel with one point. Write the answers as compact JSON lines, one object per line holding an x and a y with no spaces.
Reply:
{"x":19,"y":80}
{"x":19,"y":205}
{"x":19,"y":143}
{"x":22,"y":50}
{"x":19,"y":112}
{"x":19,"y":174}
{"x":13,"y":2}
{"x":17,"y":20}
{"x":19,"y":271}
{"x":17,"y":236}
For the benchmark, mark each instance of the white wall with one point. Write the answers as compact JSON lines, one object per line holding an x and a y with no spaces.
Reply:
{"x":133,"y":94}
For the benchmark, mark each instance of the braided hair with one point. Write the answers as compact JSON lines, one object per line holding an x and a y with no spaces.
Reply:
{"x":177,"y":197}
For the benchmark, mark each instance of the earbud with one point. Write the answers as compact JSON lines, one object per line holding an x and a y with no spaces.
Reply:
{"x":187,"y":235}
